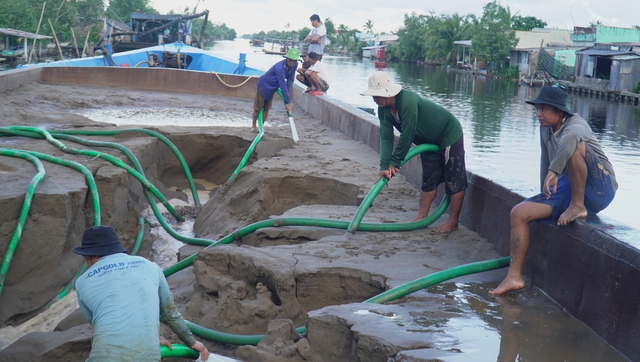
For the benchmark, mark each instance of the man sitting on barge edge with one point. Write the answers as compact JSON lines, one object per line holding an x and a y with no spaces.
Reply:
{"x":576,"y":177}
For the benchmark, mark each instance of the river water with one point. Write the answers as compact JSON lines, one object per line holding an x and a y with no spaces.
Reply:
{"x":501,"y":131}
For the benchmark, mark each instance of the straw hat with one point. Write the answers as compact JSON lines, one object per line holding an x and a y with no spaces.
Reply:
{"x":553,"y":96}
{"x":380,"y":85}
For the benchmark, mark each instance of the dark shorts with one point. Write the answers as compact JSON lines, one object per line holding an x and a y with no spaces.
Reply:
{"x":323,"y":84}
{"x":259,"y":102}
{"x":447,"y":166}
{"x":599,"y":190}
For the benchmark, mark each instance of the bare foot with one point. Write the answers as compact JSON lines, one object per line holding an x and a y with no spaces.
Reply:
{"x":445,"y":228}
{"x":254,"y":129}
{"x":572,"y":213}
{"x":508,"y":284}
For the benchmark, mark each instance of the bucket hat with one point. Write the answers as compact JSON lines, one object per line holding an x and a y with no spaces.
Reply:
{"x":553,"y":96}
{"x":100,"y":241}
{"x":293,"y":54}
{"x":380,"y":85}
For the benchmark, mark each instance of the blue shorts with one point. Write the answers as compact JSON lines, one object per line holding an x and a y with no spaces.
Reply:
{"x":599,"y":190}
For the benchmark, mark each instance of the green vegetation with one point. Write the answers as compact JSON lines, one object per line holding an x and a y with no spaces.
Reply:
{"x":493,"y":38}
{"x":526,"y":23}
{"x":341,"y":40}
{"x":636,"y":89}
{"x":423,"y":38}
{"x":78,"y":18}
{"x":73,"y":14}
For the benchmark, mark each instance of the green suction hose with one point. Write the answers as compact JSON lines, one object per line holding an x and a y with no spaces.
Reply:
{"x":335,"y":224}
{"x":249,"y":152}
{"x":435,"y":278}
{"x":104,"y":156}
{"x":160,"y":137}
{"x":375,"y":190}
{"x":390,"y":295}
{"x":24,"y":212}
{"x":178,"y":350}
{"x":132,"y":158}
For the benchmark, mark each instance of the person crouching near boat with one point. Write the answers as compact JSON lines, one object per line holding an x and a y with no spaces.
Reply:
{"x":315,"y":77}
{"x":280,"y":75}
{"x":576,"y":178}
{"x":420,"y":121}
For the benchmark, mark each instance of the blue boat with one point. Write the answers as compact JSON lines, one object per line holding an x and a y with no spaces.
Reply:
{"x":175,"y":56}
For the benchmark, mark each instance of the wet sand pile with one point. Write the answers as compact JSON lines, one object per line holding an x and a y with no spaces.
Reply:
{"x":270,"y":281}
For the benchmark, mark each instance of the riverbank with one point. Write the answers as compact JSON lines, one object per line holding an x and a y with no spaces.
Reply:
{"x":279,"y":273}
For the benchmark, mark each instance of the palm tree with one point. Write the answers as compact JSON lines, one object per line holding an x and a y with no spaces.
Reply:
{"x":346,"y":42}
{"x":440,"y":38}
{"x":368,"y":27}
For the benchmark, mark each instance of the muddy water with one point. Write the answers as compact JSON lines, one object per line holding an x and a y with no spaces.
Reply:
{"x":523,"y":327}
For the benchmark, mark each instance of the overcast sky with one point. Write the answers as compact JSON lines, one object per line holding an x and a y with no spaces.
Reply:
{"x":252,"y":16}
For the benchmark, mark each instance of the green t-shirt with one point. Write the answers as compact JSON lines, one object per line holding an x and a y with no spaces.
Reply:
{"x":421,"y":121}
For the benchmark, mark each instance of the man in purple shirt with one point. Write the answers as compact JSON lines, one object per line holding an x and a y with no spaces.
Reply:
{"x":280,"y":75}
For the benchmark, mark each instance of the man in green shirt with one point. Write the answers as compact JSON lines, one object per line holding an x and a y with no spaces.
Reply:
{"x":420,"y":121}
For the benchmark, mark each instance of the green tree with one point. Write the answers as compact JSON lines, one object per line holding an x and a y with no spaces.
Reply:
{"x":345,"y":41}
{"x":20,"y":15}
{"x":526,"y":23}
{"x":124,"y":8}
{"x":441,"y":35}
{"x":302,"y":33}
{"x":412,"y":37}
{"x":494,"y":39}
{"x":368,"y":27}
{"x":328,"y":23}
{"x":63,"y":15}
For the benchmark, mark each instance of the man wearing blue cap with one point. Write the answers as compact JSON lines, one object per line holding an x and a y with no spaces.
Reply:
{"x":576,"y":178}
{"x":124,"y":297}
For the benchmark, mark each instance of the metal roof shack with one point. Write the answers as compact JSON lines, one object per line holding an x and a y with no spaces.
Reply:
{"x":12,"y":54}
{"x":23,"y":34}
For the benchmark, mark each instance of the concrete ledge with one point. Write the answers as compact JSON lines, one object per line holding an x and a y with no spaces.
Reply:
{"x":583,"y":267}
{"x":14,"y":78}
{"x":156,"y":79}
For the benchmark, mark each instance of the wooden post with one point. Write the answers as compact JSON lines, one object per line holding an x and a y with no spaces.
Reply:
{"x":75,"y":44}
{"x":33,"y":50}
{"x":56,"y":39}
{"x":86,"y":41}
{"x":534,"y":70}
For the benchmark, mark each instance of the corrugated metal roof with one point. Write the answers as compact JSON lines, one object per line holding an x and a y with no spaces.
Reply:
{"x":626,"y":57}
{"x":23,"y":34}
{"x":462,"y":42}
{"x":593,"y":51}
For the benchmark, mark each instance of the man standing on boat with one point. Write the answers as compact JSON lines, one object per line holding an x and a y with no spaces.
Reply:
{"x":280,"y":75}
{"x":576,"y":178}
{"x":420,"y":121}
{"x":317,"y":36}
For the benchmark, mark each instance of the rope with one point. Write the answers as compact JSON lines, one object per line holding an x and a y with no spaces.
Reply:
{"x":229,"y":85}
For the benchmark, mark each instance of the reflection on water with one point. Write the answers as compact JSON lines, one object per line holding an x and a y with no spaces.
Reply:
{"x":526,"y":327}
{"x":501,"y":131}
